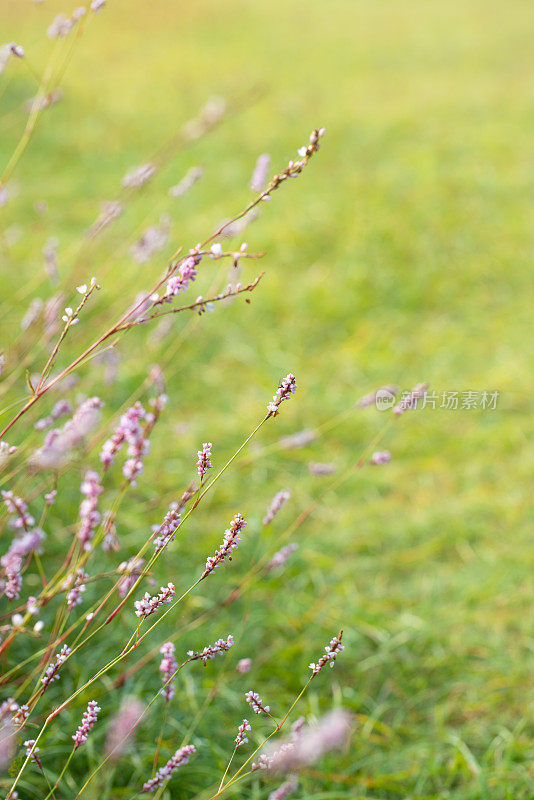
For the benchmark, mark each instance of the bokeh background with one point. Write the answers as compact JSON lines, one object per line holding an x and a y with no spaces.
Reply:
{"x":403,"y":253}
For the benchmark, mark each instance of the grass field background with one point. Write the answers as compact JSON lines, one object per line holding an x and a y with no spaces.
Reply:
{"x":402,"y":253}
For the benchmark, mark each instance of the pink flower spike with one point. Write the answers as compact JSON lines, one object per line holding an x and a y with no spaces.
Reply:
{"x":230,"y":542}
{"x":241,"y":738}
{"x":88,"y":720}
{"x":148,"y":605}
{"x":331,"y":651}
{"x":287,"y":387}
{"x":168,"y":667}
{"x":163,"y":774}
{"x":256,"y":704}
{"x":209,"y":652}
{"x":277,"y":503}
{"x":204,"y":459}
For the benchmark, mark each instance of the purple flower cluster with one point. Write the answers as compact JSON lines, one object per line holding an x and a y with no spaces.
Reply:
{"x":148,"y":605}
{"x":59,"y":442}
{"x":256,"y":704}
{"x":331,"y":651}
{"x":89,"y":514}
{"x":277,"y":503}
{"x":77,"y":584}
{"x":187,"y":272}
{"x":285,"y":789}
{"x":131,"y":570}
{"x":204,"y":462}
{"x":241,"y":737}
{"x":139,"y":176}
{"x":279,"y":559}
{"x":131,"y":430}
{"x":168,"y":667}
{"x":167,"y":529}
{"x":12,"y":561}
{"x":51,"y":673}
{"x":18,"y":510}
{"x":61,"y":409}
{"x":28,"y":744}
{"x":285,"y":390}
{"x":383,"y":457}
{"x":163,"y":774}
{"x":209,"y":652}
{"x":88,"y":720}
{"x":231,"y":540}
{"x":243,"y":665}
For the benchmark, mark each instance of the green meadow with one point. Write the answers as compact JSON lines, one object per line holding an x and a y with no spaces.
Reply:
{"x":401,"y":254}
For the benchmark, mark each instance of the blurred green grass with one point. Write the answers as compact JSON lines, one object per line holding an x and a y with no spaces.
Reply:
{"x":402,"y":253}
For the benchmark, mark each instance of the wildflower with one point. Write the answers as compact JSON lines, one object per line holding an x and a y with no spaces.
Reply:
{"x":32,"y":752}
{"x":13,"y":584}
{"x":318,"y":468}
{"x":109,"y":211}
{"x":209,"y":652}
{"x":96,"y":5}
{"x":148,"y":605}
{"x":259,"y":176}
{"x":331,"y":651}
{"x":216,"y":250}
{"x":285,"y":390}
{"x":152,"y":241}
{"x":331,"y":732}
{"x":17,"y":620}
{"x":168,"y":667}
{"x":278,"y":502}
{"x":61,"y":26}
{"x":410,"y":401}
{"x":131,"y":571}
{"x":88,"y":720}
{"x":181,"y":757}
{"x":204,"y":462}
{"x":187,"y":272}
{"x":50,"y":497}
{"x":192,"y":176}
{"x":285,"y":789}
{"x":167,"y":529}
{"x":61,"y":409}
{"x":241,"y":738}
{"x":269,"y":760}
{"x":297,"y":727}
{"x":231,"y":541}
{"x":39,"y":625}
{"x":381,"y":457}
{"x":16,"y":50}
{"x":18,"y":509}
{"x":89,"y":514}
{"x":255,"y":702}
{"x":52,"y":670}
{"x":32,"y":606}
{"x":50,"y":260}
{"x":59,"y":443}
{"x":298,"y":440}
{"x":139,"y":176}
{"x":77,"y":583}
{"x":122,"y":727}
{"x":243,"y":665}
{"x":279,"y":559}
